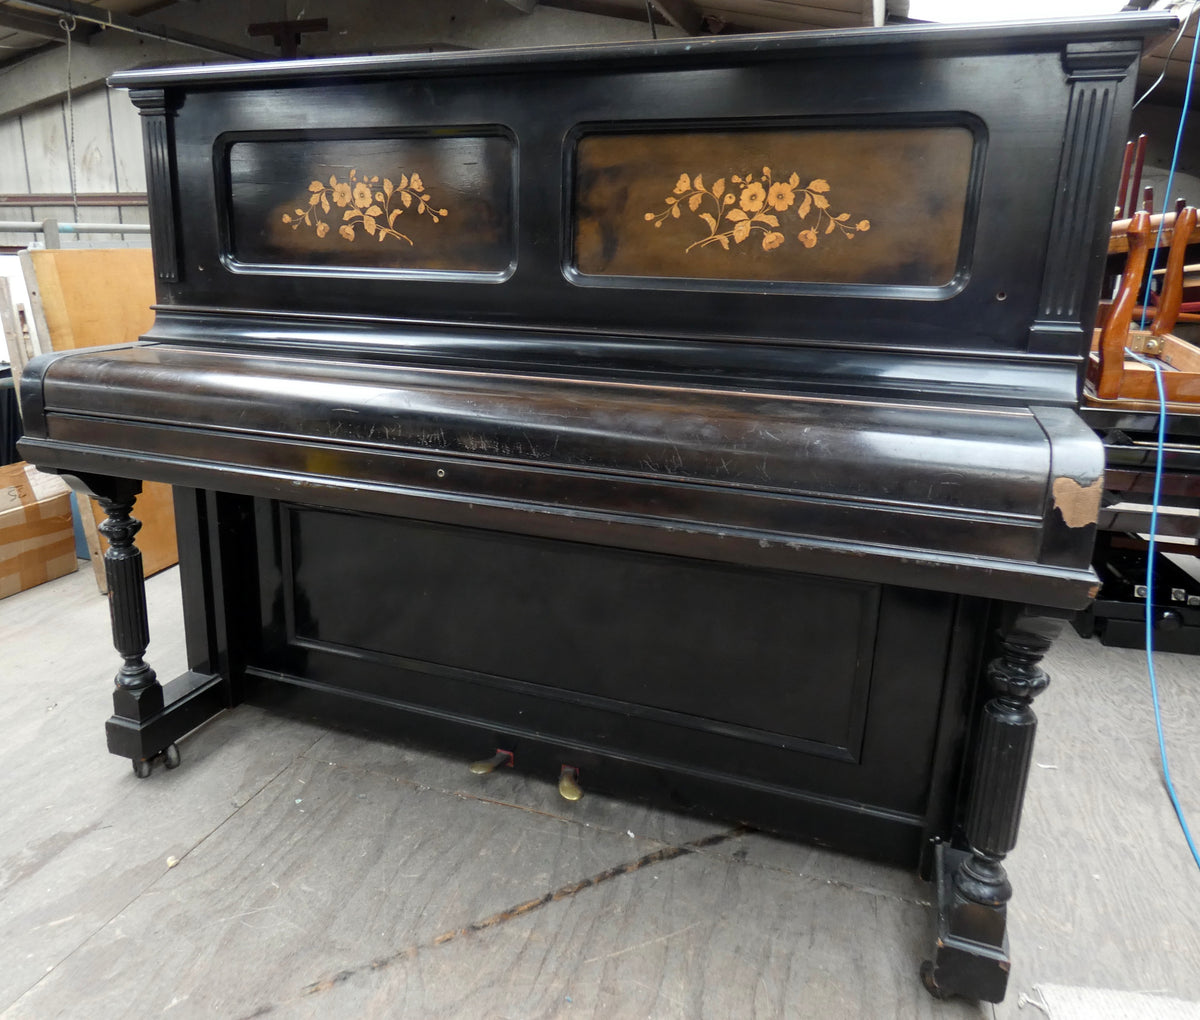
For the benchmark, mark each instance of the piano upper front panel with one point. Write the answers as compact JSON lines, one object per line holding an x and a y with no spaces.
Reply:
{"x":984,"y":235}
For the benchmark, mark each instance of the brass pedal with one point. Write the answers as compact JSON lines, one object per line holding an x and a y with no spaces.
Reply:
{"x":501,"y":757}
{"x":568,"y":783}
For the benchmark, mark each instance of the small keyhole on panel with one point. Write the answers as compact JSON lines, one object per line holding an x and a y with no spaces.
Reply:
{"x":441,"y":473}
{"x":1001,"y":296}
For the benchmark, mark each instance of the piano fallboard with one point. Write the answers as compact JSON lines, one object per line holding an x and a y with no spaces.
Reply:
{"x":957,"y":497}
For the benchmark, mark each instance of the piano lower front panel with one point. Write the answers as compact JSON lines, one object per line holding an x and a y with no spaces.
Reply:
{"x":816,"y":706}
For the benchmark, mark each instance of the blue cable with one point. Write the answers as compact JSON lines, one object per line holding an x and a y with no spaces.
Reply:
{"x":1158,"y":467}
{"x":1158,"y":472}
{"x":1187,"y":98}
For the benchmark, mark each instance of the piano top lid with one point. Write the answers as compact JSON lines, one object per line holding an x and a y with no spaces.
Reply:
{"x":690,"y":52}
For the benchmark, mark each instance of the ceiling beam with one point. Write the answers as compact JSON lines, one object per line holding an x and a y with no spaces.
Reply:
{"x":683,"y":14}
{"x":722,"y":22}
{"x":607,"y":9}
{"x":42,"y":26}
{"x":139,"y":26}
{"x":287,"y":34}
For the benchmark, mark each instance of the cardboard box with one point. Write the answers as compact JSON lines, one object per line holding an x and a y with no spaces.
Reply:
{"x":37,"y":541}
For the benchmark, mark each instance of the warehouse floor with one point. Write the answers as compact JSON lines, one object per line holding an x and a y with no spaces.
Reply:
{"x":290,"y":871}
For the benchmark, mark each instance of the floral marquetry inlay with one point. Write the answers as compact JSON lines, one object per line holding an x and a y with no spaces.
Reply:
{"x":787,"y":205}
{"x":364,"y":203}
{"x":757,"y":206}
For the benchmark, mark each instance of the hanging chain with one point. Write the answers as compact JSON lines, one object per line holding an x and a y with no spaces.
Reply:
{"x":68,"y":26}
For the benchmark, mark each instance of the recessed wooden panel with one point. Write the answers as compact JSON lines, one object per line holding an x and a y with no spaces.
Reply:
{"x":632,"y":632}
{"x":439,"y":203}
{"x":884,"y":206}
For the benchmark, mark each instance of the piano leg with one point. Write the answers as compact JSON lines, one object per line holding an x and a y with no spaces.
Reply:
{"x":971,"y":953}
{"x":147,"y":718}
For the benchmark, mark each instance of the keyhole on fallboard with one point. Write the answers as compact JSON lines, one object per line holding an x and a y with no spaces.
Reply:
{"x":441,"y":473}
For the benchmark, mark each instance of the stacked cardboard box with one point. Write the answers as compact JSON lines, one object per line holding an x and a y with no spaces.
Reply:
{"x":37,"y":542}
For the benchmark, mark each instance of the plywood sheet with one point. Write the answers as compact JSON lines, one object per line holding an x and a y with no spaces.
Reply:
{"x":93,"y":298}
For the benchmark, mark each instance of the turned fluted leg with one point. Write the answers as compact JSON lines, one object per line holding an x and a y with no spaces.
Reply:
{"x":971,"y":957}
{"x":1004,"y":752}
{"x":137,"y":694}
{"x":148,"y":717}
{"x":127,"y":597}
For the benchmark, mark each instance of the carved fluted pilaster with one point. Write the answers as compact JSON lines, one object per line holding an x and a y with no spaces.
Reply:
{"x":157,"y":110}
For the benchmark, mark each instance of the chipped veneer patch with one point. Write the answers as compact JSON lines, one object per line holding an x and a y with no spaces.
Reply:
{"x":1078,"y":504}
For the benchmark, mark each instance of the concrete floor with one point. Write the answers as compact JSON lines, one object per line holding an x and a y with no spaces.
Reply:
{"x":290,"y":871}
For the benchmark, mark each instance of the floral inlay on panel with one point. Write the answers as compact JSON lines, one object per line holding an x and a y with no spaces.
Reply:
{"x":751,"y":206}
{"x":367,"y":205}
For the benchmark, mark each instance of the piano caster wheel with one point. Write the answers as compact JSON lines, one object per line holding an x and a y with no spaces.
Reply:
{"x":931,"y":985}
{"x":142,"y":767}
{"x":568,"y":783}
{"x":482,"y":768}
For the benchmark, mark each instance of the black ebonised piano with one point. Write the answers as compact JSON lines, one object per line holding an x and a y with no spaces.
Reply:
{"x":696,"y":417}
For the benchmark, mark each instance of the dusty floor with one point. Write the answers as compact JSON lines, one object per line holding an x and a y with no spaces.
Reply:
{"x":290,"y":871}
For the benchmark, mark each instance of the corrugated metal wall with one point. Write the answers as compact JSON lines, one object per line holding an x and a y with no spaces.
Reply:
{"x":108,"y":158}
{"x":108,"y":147}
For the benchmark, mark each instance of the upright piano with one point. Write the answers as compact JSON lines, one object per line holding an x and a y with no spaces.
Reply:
{"x":694,"y":420}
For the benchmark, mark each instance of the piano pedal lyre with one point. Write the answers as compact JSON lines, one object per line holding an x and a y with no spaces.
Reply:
{"x":501,"y":757}
{"x":568,"y":783}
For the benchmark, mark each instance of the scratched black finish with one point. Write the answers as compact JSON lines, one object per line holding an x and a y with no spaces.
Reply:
{"x":943,"y":457}
{"x":741,"y":544}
